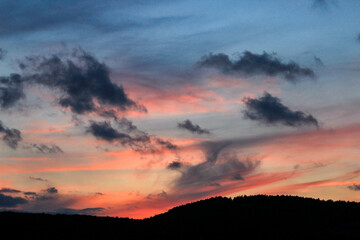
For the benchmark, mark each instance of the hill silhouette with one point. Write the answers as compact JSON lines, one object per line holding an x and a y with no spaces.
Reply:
{"x":252,"y":217}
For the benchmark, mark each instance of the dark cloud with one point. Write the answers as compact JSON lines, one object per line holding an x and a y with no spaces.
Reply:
{"x":11,"y":137}
{"x":318,"y":61}
{"x":358,"y":37}
{"x":175,"y":165}
{"x":194,"y":128}
{"x":38,"y":179}
{"x":82,"y":80}
{"x":51,"y":190}
{"x":43,"y":148}
{"x":2,"y":53}
{"x":10,"y":202}
{"x":324,"y":4}
{"x":30,"y":193}
{"x":269,"y":110}
{"x":251,"y":64}
{"x":9,"y":190}
{"x":140,"y":141}
{"x":219,"y":166}
{"x":84,"y":211}
{"x":11,"y":90}
{"x":165,"y":144}
{"x":355,"y":187}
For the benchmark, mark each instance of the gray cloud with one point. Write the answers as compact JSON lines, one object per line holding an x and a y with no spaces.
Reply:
{"x":175,"y":165}
{"x":324,"y":4}
{"x":318,"y":61}
{"x":355,"y":187}
{"x":51,"y":190}
{"x":11,"y":137}
{"x":219,"y":166}
{"x":11,"y":90}
{"x":2,"y":53}
{"x":358,"y":37}
{"x":140,"y":141}
{"x":84,"y":211}
{"x":82,"y":79}
{"x":194,"y":128}
{"x":9,"y":190}
{"x":269,"y":110}
{"x":38,"y":179}
{"x":10,"y":202}
{"x":44,"y":148}
{"x":251,"y":64}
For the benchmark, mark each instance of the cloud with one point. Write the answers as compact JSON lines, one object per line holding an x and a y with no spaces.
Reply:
{"x":358,"y":37}
{"x":175,"y":165}
{"x":11,"y":90}
{"x":354,"y":187}
{"x":323,"y":3}
{"x":219,"y":166}
{"x":38,"y":179}
{"x":45,"y":149}
{"x":11,"y":137}
{"x":10,"y":202}
{"x":140,"y":141}
{"x":9,"y":190}
{"x":269,"y":110}
{"x":318,"y":61}
{"x":51,"y":190}
{"x":252,"y":64}
{"x":84,"y":211}
{"x":84,"y":82}
{"x":2,"y":53}
{"x":194,"y":128}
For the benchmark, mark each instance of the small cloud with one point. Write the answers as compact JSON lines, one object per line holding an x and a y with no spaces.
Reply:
{"x":194,"y":128}
{"x":11,"y":137}
{"x":51,"y":190}
{"x":355,"y":187}
{"x":269,"y":110}
{"x":38,"y":179}
{"x":175,"y":165}
{"x":9,"y":190}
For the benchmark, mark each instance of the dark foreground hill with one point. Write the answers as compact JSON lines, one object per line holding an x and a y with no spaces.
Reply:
{"x":254,"y":217}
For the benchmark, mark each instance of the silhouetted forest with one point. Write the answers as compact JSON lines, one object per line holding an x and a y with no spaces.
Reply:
{"x":245,"y":217}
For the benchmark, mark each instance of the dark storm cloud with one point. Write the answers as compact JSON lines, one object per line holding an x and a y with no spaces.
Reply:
{"x":269,"y":110}
{"x":251,"y":64}
{"x":9,"y":190}
{"x":11,"y":90}
{"x":44,"y":148}
{"x":194,"y":128}
{"x":82,"y":79}
{"x":354,"y":187}
{"x":11,"y":137}
{"x":140,"y":141}
{"x":10,"y":202}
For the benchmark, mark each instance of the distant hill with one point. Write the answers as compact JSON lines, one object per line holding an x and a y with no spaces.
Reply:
{"x":245,"y":217}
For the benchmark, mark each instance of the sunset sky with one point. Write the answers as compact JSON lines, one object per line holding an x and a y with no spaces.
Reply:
{"x":129,"y":108}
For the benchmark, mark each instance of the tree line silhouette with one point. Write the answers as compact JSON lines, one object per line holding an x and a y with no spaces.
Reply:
{"x":243,"y":217}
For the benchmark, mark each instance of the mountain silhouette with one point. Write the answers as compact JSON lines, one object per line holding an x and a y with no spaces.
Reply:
{"x":243,"y":217}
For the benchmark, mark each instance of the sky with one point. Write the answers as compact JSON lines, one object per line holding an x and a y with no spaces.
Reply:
{"x":129,"y":108}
